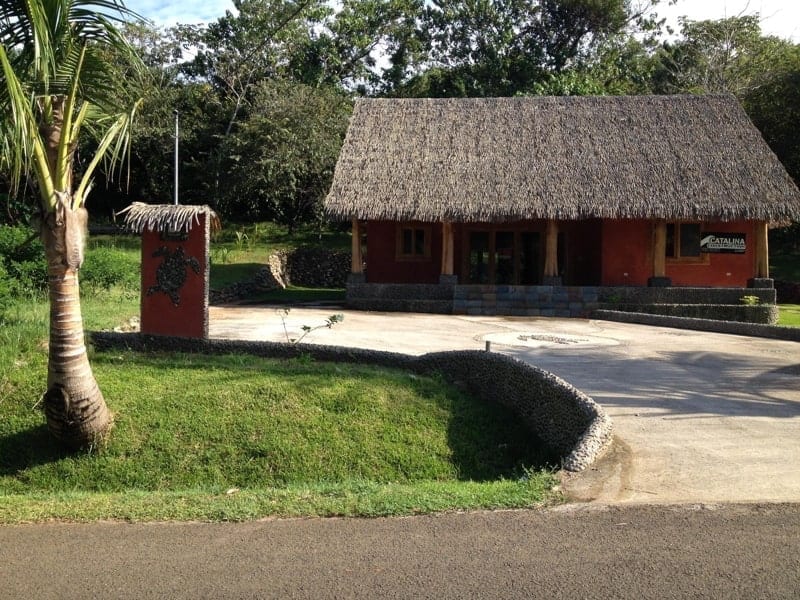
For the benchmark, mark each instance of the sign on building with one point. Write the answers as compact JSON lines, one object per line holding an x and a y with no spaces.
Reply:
{"x":730,"y":243}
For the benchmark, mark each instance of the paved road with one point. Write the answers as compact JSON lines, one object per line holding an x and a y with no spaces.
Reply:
{"x":604,"y":552}
{"x":699,"y":417}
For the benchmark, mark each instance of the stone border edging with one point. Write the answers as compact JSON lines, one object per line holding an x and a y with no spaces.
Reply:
{"x":777,"y":332}
{"x":563,"y":417}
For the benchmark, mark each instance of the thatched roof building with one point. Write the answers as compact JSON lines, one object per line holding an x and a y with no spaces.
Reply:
{"x":507,"y":159}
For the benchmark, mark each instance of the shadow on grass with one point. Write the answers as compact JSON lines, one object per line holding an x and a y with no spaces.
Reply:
{"x":229,"y":273}
{"x":292,"y":295}
{"x":489,"y":442}
{"x":29,"y":448}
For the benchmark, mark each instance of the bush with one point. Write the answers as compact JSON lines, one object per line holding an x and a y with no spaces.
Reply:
{"x":105,"y":268}
{"x":22,"y":259}
{"x":6,"y":288}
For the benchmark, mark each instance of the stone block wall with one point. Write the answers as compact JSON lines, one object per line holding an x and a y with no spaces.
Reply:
{"x":525,"y":301}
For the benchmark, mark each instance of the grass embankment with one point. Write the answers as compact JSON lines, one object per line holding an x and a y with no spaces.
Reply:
{"x":238,"y":437}
{"x":789,"y":315}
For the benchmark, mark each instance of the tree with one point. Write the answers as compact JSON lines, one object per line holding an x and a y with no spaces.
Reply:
{"x":718,"y":56}
{"x":509,"y":47}
{"x":58,"y":81}
{"x":279,"y":161}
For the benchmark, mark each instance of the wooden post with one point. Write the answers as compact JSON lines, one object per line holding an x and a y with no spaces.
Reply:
{"x":551,"y":250}
{"x":762,"y":249}
{"x":357,"y":262}
{"x":660,"y":249}
{"x":447,"y":248}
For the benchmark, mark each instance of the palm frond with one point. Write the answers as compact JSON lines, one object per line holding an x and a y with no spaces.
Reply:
{"x":63,"y":54}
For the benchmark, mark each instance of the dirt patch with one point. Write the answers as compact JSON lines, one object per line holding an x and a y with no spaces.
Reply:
{"x":607,"y":480}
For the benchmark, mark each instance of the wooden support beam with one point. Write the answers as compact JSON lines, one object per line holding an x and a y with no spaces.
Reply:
{"x":762,"y":249}
{"x":357,"y":260}
{"x":551,"y":249}
{"x":447,"y":248}
{"x":660,"y":249}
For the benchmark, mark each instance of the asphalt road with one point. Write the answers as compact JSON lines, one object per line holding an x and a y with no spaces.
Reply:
{"x":716,"y":551}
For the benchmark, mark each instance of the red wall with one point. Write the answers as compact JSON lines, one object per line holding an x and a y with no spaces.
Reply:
{"x":627,"y":248}
{"x":616,"y":252}
{"x":382,"y":263}
{"x":627,"y":256}
{"x":159,"y":315}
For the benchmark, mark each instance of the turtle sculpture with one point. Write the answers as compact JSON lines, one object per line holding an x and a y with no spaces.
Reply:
{"x":171,"y":273}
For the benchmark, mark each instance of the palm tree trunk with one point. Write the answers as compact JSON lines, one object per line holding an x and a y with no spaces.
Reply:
{"x":76,"y":411}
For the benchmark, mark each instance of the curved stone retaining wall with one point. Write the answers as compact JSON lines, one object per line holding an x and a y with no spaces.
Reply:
{"x":568,"y":421}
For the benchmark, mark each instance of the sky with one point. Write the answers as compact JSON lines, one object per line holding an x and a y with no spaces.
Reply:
{"x":779,"y":17}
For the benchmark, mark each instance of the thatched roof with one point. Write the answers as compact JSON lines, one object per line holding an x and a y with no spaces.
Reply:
{"x":166,"y":217}
{"x":500,"y":159}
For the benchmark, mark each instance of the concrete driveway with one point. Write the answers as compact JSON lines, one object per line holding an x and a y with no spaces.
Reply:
{"x":699,"y":417}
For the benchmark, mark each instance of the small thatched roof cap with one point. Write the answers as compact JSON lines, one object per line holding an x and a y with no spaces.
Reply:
{"x":166,"y":217}
{"x":499,"y":159}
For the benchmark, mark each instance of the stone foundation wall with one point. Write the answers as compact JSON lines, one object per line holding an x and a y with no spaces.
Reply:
{"x":562,"y":301}
{"x":566,"y":420}
{"x":525,"y":301}
{"x":397,"y":297}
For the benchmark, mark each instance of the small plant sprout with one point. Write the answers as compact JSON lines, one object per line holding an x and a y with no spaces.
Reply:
{"x":283,"y":313}
{"x":750,"y":300}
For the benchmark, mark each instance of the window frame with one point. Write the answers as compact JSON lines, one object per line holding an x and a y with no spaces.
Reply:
{"x":415,"y":228}
{"x":703,"y":258}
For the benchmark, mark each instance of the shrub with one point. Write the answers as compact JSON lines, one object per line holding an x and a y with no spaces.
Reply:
{"x":22,"y":259}
{"x":105,"y":268}
{"x":6,"y":288}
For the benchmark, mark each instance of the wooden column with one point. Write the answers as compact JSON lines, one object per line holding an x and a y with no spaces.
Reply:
{"x":447,"y":248}
{"x":357,"y":263}
{"x":660,"y":249}
{"x":551,"y":250}
{"x":761,"y":230}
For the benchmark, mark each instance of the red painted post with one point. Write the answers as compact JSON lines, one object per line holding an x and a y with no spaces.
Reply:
{"x":175,"y":268}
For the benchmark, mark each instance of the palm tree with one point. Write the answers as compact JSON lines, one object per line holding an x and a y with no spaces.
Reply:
{"x":62,"y":64}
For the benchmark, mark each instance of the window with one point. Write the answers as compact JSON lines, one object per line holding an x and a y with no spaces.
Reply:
{"x":413,"y":242}
{"x":683,"y":243}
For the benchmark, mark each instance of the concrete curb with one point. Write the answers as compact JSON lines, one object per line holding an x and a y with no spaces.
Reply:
{"x":776,"y":332}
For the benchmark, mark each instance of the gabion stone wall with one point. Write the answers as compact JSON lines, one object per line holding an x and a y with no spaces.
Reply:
{"x":562,"y":417}
{"x":317,"y":267}
{"x":568,"y":421}
{"x":761,"y":313}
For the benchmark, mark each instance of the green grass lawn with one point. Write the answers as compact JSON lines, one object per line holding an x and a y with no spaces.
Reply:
{"x":238,"y":437}
{"x":789,"y":315}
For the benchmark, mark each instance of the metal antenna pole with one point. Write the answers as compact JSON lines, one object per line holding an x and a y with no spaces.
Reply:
{"x":176,"y":155}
